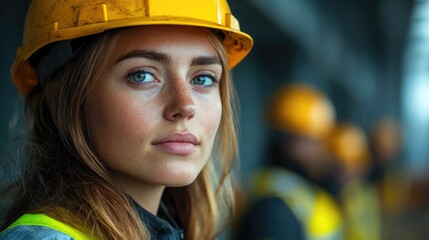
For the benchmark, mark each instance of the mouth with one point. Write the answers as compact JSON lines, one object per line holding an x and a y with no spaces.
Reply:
{"x":177,"y":144}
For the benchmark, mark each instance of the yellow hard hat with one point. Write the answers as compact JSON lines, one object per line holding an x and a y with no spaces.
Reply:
{"x":303,"y":110}
{"x":349,"y":146}
{"x":52,"y":21}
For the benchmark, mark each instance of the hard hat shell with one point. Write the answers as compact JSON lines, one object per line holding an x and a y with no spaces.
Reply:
{"x":302,"y":110}
{"x":56,"y":20}
{"x":349,"y":146}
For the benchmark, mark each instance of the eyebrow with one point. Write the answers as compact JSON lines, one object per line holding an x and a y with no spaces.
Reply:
{"x":164,"y":58}
{"x":206,"y":60}
{"x":157,"y":56}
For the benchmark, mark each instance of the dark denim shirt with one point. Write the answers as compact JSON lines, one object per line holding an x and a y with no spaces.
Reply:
{"x":162,"y":227}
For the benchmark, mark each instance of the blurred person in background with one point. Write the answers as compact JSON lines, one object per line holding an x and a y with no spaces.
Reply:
{"x":288,"y":198}
{"x":389,"y":175}
{"x":387,"y":172}
{"x":358,"y":196}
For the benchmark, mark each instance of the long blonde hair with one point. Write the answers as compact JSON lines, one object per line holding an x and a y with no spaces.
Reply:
{"x":65,"y":179}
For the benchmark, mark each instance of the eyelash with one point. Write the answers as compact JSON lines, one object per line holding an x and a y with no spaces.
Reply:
{"x":213,"y":76}
{"x":139,"y":70}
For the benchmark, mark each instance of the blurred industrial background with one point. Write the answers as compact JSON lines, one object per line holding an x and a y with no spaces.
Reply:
{"x":370,"y":57}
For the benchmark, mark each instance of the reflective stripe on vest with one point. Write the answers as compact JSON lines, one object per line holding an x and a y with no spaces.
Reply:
{"x":315,"y":209}
{"x":43,"y":220}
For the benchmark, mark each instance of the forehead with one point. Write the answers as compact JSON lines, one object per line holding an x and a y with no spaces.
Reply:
{"x":167,"y":37}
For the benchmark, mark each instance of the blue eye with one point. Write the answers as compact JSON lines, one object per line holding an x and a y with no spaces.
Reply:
{"x":204,"y":80}
{"x":141,"y":76}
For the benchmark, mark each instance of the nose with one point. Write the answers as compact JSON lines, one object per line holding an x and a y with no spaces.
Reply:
{"x":181,"y":104}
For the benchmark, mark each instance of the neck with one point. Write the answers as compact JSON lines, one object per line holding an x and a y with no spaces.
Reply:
{"x":145,"y":194}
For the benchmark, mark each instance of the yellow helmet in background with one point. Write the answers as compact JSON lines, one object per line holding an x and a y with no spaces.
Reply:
{"x":302,"y":110}
{"x":56,"y":20}
{"x":349,"y":146}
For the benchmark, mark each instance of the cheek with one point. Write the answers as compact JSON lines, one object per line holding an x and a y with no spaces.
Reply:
{"x":211,"y":117}
{"x":118,"y":124}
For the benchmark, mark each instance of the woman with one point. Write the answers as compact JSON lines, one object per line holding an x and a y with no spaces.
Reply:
{"x":129,"y":106}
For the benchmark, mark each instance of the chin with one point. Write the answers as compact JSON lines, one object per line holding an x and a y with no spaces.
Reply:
{"x":181,"y":181}
{"x":180,"y":177}
{"x":178,"y":173}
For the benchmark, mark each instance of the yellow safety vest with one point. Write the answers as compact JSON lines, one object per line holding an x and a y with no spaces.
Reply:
{"x":43,"y":220}
{"x":361,"y":211}
{"x":314,"y":208}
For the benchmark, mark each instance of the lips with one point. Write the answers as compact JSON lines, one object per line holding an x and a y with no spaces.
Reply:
{"x":177,"y":144}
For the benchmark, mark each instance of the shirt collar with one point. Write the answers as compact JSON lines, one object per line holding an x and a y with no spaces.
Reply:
{"x":163,"y":226}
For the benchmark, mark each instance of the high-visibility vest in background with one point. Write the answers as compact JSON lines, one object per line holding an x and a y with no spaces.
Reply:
{"x":315,"y":208}
{"x":361,"y":210}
